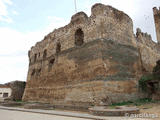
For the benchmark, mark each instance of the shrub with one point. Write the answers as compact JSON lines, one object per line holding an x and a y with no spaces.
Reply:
{"x":143,"y":82}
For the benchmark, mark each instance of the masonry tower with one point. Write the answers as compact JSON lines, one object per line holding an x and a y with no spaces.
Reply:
{"x":156,"y":13}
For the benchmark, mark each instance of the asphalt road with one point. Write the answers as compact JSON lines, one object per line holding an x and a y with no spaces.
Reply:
{"x":7,"y":113}
{"x":18,"y":115}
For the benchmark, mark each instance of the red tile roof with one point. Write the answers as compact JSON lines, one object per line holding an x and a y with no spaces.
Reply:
{"x":4,"y":86}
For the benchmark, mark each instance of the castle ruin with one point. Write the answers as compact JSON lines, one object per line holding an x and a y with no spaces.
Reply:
{"x":92,"y":60}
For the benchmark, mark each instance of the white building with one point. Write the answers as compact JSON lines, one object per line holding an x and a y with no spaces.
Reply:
{"x":5,"y":92}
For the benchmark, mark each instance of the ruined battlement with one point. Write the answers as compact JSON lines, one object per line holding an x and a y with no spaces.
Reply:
{"x":106,"y":10}
{"x":156,"y":10}
{"x":146,"y":40}
{"x":140,"y":34}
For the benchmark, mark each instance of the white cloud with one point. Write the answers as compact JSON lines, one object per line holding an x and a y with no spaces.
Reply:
{"x":6,"y":19}
{"x":13,"y":68}
{"x":4,"y":11}
{"x":15,"y":12}
{"x":13,"y":55}
{"x":13,"y":40}
{"x":7,"y":2}
{"x":3,"y":7}
{"x":14,"y":48}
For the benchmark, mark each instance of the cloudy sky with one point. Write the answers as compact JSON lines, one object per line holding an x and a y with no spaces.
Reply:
{"x":24,"y":22}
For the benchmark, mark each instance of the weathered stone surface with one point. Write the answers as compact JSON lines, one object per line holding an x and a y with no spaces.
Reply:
{"x":90,"y":61}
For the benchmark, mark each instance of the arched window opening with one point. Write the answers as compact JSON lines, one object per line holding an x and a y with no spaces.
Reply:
{"x":79,"y":37}
{"x":35,"y":57}
{"x":58,"y":48}
{"x":51,"y":63}
{"x":44,"y":54}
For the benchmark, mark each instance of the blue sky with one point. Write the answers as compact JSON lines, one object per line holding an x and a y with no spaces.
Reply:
{"x":24,"y":22}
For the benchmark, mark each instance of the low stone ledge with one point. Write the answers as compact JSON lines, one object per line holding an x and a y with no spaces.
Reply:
{"x":38,"y":106}
{"x":72,"y":107}
{"x":118,"y":111}
{"x":11,"y":104}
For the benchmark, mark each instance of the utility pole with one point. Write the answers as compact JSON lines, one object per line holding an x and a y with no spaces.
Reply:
{"x":75,"y":6}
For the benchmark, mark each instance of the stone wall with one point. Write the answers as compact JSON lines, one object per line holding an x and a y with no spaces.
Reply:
{"x":97,"y":71}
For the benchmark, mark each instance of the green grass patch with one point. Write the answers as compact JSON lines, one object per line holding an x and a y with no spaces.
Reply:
{"x":122,"y":103}
{"x":18,"y":101}
{"x":137,"y":102}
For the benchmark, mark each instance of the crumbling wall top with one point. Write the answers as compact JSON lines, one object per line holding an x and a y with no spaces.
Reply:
{"x":106,"y":10}
{"x":139,"y":32}
{"x":156,"y":10}
{"x":78,"y":17}
{"x":146,"y":40}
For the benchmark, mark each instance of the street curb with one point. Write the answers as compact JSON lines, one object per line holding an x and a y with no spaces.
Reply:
{"x":57,"y":114}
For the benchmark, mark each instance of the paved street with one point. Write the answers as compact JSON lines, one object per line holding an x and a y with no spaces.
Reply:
{"x":14,"y":113}
{"x":17,"y":115}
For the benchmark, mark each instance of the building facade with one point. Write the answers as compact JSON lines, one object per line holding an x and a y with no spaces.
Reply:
{"x":5,"y":92}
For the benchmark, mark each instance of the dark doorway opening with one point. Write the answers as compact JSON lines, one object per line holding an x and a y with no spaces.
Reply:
{"x":79,"y":37}
{"x":44,"y":54}
{"x":51,"y":63}
{"x":58,"y":48}
{"x":35,"y":57}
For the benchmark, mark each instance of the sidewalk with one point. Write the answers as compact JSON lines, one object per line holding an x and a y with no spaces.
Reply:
{"x":67,"y":114}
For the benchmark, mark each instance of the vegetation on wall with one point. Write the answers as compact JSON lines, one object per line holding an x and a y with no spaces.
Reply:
{"x":143,"y":82}
{"x":150,"y":82}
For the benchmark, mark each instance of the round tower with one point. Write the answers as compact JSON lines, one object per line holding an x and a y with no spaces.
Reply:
{"x":156,"y":13}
